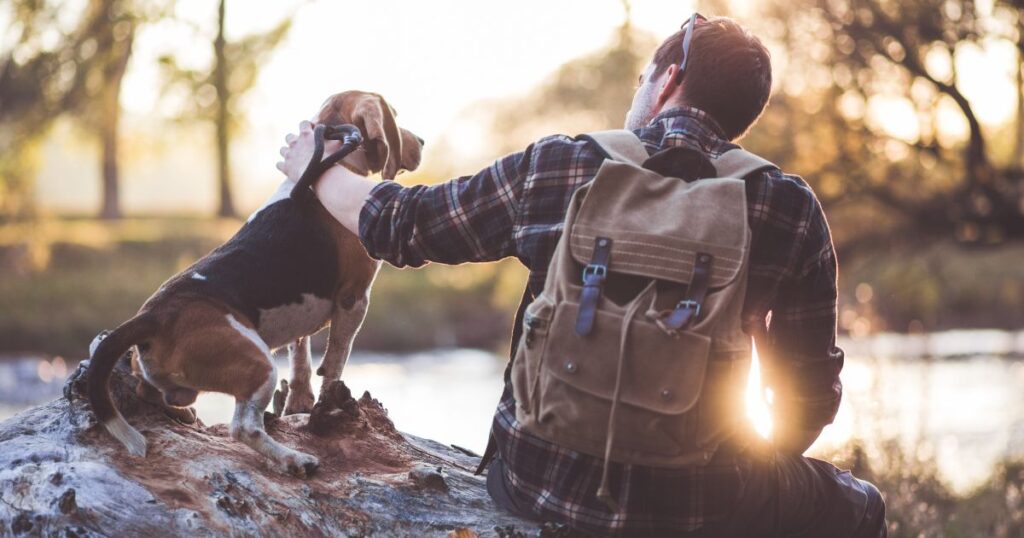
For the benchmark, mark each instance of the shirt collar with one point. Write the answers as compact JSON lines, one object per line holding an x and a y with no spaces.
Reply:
{"x":685,"y":118}
{"x":685,"y":126}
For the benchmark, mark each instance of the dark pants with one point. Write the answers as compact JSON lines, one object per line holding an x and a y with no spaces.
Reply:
{"x":501,"y":491}
{"x":791,"y":495}
{"x":782,"y":496}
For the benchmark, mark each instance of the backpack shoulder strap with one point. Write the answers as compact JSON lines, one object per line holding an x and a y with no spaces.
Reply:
{"x":739,"y":163}
{"x":619,"y":145}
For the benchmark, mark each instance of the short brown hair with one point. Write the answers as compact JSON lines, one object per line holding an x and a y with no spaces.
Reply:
{"x":728,"y":74}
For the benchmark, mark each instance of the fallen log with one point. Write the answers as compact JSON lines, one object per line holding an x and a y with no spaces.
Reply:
{"x":62,"y":475}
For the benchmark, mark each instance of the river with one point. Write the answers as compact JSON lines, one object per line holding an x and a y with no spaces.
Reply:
{"x":957,"y":397}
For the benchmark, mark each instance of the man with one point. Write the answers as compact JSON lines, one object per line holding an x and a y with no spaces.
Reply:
{"x":516,"y":207}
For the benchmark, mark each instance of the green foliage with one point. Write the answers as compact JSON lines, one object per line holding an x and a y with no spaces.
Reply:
{"x":940,"y":285}
{"x":585,"y":94}
{"x":918,"y":502}
{"x":192,"y":89}
{"x":66,"y":280}
{"x":53,"y":64}
{"x":841,"y":58}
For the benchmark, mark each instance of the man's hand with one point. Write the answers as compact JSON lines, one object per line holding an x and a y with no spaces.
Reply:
{"x":299,"y":150}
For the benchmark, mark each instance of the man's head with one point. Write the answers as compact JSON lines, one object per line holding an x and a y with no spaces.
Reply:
{"x":728,"y":75}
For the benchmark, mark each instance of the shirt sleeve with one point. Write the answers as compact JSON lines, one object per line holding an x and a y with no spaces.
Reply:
{"x":467,"y":219}
{"x":803,"y":365}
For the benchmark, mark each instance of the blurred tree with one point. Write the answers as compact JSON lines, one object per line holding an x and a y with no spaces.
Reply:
{"x":218,"y":88}
{"x":585,"y":94}
{"x":100,"y":111}
{"x":845,"y":60}
{"x":53,"y":64}
{"x":1013,"y":12}
{"x":45,"y":64}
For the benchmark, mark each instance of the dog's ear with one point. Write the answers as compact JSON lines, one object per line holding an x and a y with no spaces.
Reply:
{"x":412,"y":148}
{"x":382,"y":139}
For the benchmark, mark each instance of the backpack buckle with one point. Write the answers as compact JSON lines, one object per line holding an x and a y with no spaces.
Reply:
{"x":672,"y":321}
{"x":593,"y":276}
{"x":596,"y":272}
{"x":689,"y":303}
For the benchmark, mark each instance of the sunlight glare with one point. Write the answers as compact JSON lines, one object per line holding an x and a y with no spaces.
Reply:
{"x":757,"y":404}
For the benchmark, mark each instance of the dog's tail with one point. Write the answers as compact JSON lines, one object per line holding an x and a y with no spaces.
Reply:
{"x":101,"y":364}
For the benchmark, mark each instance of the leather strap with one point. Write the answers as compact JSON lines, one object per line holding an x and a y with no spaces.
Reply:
{"x":594,"y":275}
{"x":604,"y":493}
{"x":689,"y":308}
{"x":739,"y":163}
{"x":619,"y":145}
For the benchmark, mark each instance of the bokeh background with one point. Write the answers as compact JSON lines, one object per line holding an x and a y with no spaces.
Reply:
{"x":135,"y":135}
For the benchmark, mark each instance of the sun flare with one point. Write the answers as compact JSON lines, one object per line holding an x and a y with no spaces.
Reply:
{"x":758,"y":399}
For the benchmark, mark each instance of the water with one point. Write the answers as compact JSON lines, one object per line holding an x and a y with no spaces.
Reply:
{"x":445,"y":395}
{"x":958,"y":396}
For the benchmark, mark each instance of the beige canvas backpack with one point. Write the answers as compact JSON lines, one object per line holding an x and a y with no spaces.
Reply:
{"x":634,"y":352}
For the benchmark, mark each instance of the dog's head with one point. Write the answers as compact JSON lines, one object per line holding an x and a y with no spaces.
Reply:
{"x":387,"y":148}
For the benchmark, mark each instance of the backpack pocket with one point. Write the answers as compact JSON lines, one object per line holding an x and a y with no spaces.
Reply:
{"x":662,"y":380}
{"x":530,"y":353}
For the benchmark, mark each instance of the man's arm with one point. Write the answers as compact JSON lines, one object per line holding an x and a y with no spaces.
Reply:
{"x":466,"y":219}
{"x":802,"y":362}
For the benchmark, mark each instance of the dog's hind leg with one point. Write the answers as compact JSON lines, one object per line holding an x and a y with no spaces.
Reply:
{"x":345,"y":323}
{"x":153,"y":395}
{"x":212,"y":350}
{"x":300,"y":388}
{"x":247,"y":427}
{"x":253,"y":379}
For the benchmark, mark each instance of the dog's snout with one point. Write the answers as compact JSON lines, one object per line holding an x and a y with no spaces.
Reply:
{"x":421,"y":141}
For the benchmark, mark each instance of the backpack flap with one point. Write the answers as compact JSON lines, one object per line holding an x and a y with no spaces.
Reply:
{"x":650,"y":381}
{"x":658,"y":225}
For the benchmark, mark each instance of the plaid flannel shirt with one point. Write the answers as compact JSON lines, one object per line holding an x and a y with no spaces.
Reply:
{"x":516,"y":207}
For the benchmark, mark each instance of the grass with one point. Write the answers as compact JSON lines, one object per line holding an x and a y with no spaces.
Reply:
{"x":920,"y":504}
{"x":63,"y":281}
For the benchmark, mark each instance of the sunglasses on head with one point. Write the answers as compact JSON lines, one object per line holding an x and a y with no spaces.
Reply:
{"x":688,"y":27}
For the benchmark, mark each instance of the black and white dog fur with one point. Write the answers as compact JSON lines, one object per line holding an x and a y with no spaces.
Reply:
{"x":290,"y":271}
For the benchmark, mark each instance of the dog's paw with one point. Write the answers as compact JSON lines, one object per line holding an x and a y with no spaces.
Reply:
{"x":277,"y":403}
{"x":299,"y":402}
{"x":300,"y":465}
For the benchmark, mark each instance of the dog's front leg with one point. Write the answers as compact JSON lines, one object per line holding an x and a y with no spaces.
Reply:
{"x":345,"y":323}
{"x":300,"y":388}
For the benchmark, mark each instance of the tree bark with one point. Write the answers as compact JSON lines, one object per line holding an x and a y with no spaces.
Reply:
{"x":64,"y":475}
{"x":227,"y":205}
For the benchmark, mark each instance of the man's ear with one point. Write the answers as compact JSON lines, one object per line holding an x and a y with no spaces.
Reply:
{"x":668,"y":85}
{"x":412,"y":148}
{"x":382,"y":141}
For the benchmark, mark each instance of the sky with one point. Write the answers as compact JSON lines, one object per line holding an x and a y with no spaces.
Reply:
{"x":431,"y":60}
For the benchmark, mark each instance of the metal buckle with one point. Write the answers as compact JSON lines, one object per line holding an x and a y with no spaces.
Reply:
{"x":598,"y":271}
{"x":688,"y":303}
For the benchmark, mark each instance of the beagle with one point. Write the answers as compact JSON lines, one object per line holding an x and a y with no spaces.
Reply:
{"x":290,"y":271}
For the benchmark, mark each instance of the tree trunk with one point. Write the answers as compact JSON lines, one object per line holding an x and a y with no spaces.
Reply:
{"x":109,"y":125}
{"x":227,"y":204}
{"x":1018,"y":147}
{"x":65,"y":475}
